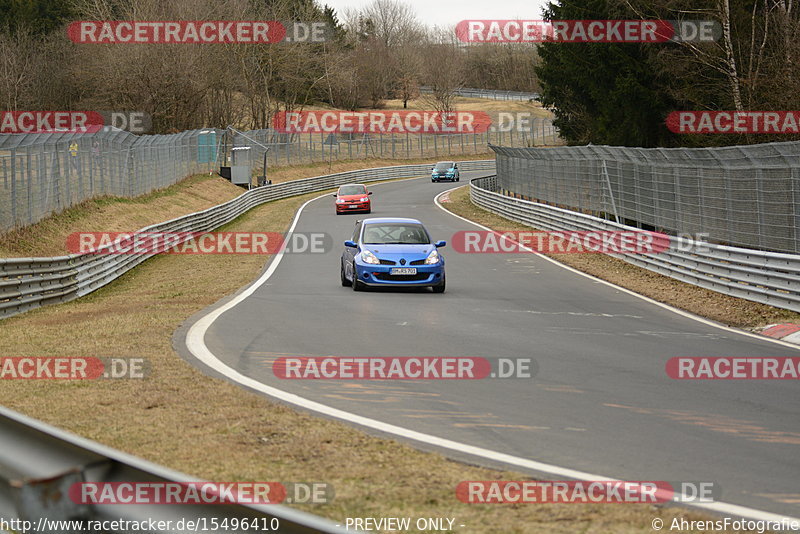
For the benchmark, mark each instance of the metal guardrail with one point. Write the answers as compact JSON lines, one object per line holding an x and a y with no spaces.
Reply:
{"x":767,"y":277}
{"x":494,"y":94}
{"x":39,"y":463}
{"x":28,"y":283}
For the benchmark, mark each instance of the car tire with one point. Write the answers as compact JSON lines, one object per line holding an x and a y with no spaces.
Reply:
{"x":345,"y":281}
{"x":439,"y":288}
{"x":458,"y":178}
{"x":369,"y":210}
{"x":357,"y":286}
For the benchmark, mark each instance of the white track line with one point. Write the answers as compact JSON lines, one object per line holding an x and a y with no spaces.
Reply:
{"x":195,"y":342}
{"x":624,"y":290}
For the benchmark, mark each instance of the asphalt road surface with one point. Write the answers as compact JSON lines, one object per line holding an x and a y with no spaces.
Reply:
{"x":600,"y":401}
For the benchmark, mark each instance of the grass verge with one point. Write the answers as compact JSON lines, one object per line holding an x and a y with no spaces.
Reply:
{"x":181,"y":418}
{"x":731,"y":311}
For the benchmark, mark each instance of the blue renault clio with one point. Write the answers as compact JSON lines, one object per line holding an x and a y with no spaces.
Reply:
{"x":392,"y":252}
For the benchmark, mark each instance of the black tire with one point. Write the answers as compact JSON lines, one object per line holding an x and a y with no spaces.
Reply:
{"x":357,"y":286}
{"x":345,"y":281}
{"x":369,"y":210}
{"x":458,"y":178}
{"x":439,"y":288}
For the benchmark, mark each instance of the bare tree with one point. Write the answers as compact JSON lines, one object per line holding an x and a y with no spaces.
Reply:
{"x":408,"y":67}
{"x":391,"y":22}
{"x":444,"y":73}
{"x":17,"y":57}
{"x":753,"y":54}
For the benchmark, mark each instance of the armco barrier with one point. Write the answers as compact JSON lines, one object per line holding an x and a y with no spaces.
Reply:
{"x":766,"y":277}
{"x":27,"y":283}
{"x":39,"y":463}
{"x":494,"y":94}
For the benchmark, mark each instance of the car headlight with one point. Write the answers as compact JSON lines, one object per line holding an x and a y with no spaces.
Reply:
{"x":433,"y":258}
{"x":364,"y":199}
{"x":369,"y":257}
{"x":340,"y":201}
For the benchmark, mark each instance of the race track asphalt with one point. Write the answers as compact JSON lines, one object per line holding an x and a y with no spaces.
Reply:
{"x":600,"y":400}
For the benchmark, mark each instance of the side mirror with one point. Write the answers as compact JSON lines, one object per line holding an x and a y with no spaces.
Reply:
{"x":335,"y":195}
{"x":369,"y":193}
{"x":440,"y":244}
{"x":350,"y":244}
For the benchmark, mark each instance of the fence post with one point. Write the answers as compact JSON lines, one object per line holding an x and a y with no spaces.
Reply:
{"x":29,"y":173}
{"x":676,"y":188}
{"x":13,"y":187}
{"x":637,"y":193}
{"x":760,"y":206}
{"x":795,"y":177}
{"x":610,"y":191}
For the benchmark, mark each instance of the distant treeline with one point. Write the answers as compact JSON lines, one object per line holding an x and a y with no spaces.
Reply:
{"x":377,"y":53}
{"x":617,"y":94}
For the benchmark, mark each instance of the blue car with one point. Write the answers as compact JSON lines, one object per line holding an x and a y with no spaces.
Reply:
{"x":445,"y":170}
{"x":392,"y":252}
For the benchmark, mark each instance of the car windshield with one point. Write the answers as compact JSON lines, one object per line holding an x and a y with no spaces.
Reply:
{"x":395,"y":234}
{"x":444,"y":165}
{"x":352,"y":190}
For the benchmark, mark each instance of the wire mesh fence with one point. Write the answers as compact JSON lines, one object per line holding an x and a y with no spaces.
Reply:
{"x":746,"y":196}
{"x":41,"y":174}
{"x":46,"y":173}
{"x":289,"y":149}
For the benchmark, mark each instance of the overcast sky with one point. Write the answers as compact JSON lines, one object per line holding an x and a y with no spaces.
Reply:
{"x":450,"y":12}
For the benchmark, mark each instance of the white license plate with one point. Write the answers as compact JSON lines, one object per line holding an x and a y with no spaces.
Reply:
{"x":353,"y":206}
{"x":404,"y":270}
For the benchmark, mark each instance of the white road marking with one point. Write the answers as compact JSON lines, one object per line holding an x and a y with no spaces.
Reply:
{"x":576,"y":314}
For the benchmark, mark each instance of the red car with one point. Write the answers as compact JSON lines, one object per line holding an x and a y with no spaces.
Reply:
{"x":353,"y":197}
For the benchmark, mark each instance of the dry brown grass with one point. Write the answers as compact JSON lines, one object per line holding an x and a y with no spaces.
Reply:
{"x":181,"y":418}
{"x":461,"y":104}
{"x":477,"y":104}
{"x":731,"y":311}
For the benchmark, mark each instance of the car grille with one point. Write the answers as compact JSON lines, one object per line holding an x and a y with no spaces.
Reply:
{"x":401,"y":277}
{"x":388,"y":262}
{"x":417,"y":262}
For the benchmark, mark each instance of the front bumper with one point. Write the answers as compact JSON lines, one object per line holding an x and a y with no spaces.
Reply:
{"x":380,"y":275}
{"x":442,"y":177}
{"x":353,"y":207}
